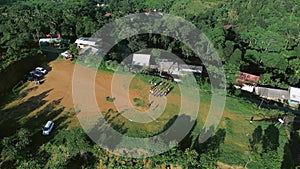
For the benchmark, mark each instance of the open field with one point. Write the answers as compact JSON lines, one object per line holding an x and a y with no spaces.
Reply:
{"x":53,"y":100}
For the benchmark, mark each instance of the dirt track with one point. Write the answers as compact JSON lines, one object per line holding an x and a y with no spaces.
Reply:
{"x":59,"y":81}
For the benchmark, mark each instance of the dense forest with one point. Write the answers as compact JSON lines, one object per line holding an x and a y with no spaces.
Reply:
{"x":259,"y":37}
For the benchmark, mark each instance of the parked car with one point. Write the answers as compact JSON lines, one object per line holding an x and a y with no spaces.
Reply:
{"x":36,"y":74}
{"x":42,"y":70}
{"x":65,"y":54}
{"x":48,"y":128}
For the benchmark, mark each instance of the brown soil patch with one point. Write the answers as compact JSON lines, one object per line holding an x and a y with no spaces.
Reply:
{"x":140,"y":94}
{"x":59,"y":81}
{"x":223,"y":123}
{"x":232,"y":116}
{"x":221,"y":165}
{"x":60,"y":75}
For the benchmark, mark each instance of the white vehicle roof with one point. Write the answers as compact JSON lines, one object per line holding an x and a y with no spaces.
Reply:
{"x":39,"y":68}
{"x":65,"y":54}
{"x":48,"y":124}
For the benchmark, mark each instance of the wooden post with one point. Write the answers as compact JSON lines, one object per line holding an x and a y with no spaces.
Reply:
{"x":262,"y":100}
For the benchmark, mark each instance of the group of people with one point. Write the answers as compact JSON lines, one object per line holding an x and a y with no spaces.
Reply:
{"x":161,"y":88}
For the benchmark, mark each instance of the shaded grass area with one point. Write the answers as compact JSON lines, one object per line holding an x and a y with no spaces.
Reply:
{"x":134,"y":129}
{"x":32,"y":114}
{"x":235,"y":150}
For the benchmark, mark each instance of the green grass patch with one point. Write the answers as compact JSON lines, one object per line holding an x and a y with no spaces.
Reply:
{"x":23,"y":86}
{"x":110,"y":99}
{"x":139,"y":103}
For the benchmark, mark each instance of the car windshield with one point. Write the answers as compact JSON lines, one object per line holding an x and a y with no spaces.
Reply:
{"x":46,"y":128}
{"x":37,"y":72}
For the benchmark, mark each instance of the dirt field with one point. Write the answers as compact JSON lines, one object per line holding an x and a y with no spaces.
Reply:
{"x":59,"y":80}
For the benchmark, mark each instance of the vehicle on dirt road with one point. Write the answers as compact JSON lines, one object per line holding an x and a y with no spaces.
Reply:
{"x":42,"y":70}
{"x":36,"y":74}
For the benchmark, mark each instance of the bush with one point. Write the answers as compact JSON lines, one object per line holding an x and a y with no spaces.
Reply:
{"x":110,"y":99}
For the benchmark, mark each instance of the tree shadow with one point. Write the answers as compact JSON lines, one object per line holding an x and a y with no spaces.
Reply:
{"x":179,"y":129}
{"x":287,"y":160}
{"x":213,"y":143}
{"x":11,"y":116}
{"x":26,"y":91}
{"x":34,"y":123}
{"x":15,"y":72}
{"x":205,"y":134}
{"x":8,"y":98}
{"x":82,"y":160}
{"x":107,"y":134}
{"x":257,"y":136}
{"x":8,"y":164}
{"x":294,"y":147}
{"x":270,"y":140}
{"x":110,"y":115}
{"x":50,"y":112}
{"x":296,"y":123}
{"x":189,"y":139}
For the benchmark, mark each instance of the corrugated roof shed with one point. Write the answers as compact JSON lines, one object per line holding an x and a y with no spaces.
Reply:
{"x":88,"y":41}
{"x":294,"y":94}
{"x":272,"y":93}
{"x":191,"y":68}
{"x":141,"y":59}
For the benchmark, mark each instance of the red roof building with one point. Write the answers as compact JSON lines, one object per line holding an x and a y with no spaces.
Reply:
{"x":227,"y":27}
{"x":147,"y":11}
{"x":108,"y":15}
{"x":247,"y":79}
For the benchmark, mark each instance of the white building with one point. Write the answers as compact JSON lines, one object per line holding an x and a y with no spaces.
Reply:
{"x":294,"y":95}
{"x":272,"y":94}
{"x":141,"y":60}
{"x":87,"y":42}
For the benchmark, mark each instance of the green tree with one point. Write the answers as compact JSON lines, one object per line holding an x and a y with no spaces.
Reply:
{"x":73,"y":50}
{"x":15,"y":146}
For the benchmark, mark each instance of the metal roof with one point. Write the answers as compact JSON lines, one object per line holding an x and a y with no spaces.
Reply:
{"x":141,"y":59}
{"x":294,"y":94}
{"x":272,"y":93}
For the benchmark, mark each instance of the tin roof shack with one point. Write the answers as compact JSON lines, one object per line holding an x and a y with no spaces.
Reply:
{"x":273,"y":94}
{"x":141,"y":60}
{"x":174,"y":68}
{"x":294,"y":95}
{"x":88,"y":46}
{"x":165,"y":65}
{"x":84,"y":42}
{"x":247,"y":81}
{"x":184,"y":69}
